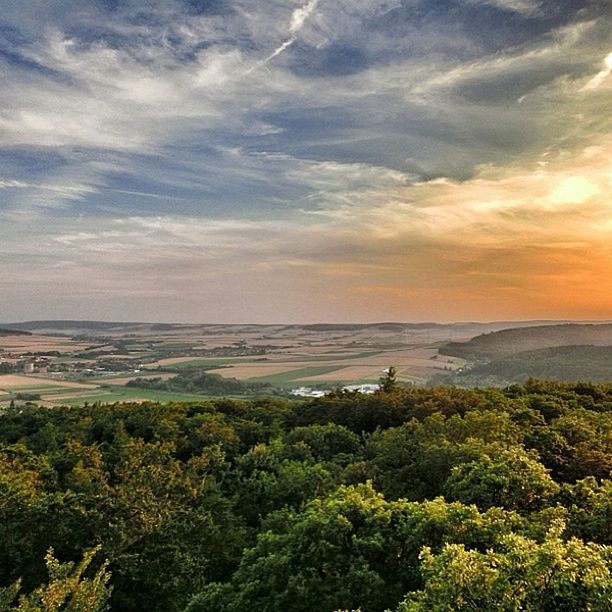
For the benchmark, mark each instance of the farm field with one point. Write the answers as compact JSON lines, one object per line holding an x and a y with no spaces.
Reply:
{"x":18,"y":387}
{"x":56,"y":393}
{"x":295,"y":376}
{"x":178,"y":363}
{"x":414,"y":364}
{"x":17,"y":381}
{"x":124,"y":379}
{"x":123,"y":394}
{"x":74,"y":361}
{"x":41,"y":343}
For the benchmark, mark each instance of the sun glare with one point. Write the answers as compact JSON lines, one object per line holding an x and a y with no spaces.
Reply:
{"x":574,"y":190}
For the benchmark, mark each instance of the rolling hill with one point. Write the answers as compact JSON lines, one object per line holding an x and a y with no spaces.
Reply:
{"x":500,"y":344}
{"x":14,"y":332}
{"x":563,"y":363}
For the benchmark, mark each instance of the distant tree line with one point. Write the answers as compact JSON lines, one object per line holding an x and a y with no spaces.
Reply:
{"x":199,"y":381}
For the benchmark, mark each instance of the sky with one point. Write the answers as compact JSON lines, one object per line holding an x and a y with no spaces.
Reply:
{"x":285,"y":161}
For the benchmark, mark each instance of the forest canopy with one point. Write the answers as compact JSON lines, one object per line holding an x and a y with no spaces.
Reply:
{"x":405,"y":500}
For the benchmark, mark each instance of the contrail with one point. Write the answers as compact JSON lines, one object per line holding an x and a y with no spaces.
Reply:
{"x":298,"y":18}
{"x":277,"y":51}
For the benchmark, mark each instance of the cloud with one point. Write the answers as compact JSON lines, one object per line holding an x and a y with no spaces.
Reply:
{"x":601,"y":77}
{"x":519,"y":6}
{"x":540,"y":229}
{"x":108,"y":99}
{"x":10,"y":184}
{"x":299,"y":16}
{"x":396,"y":159}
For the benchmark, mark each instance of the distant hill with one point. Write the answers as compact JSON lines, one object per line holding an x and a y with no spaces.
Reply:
{"x":14,"y":332}
{"x":500,"y":344}
{"x":561,"y":363}
{"x":63,"y":325}
{"x":386,"y":326}
{"x":75,"y":324}
{"x":439,"y":331}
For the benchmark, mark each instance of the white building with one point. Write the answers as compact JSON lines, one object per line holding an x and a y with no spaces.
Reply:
{"x":308,"y":392}
{"x":366,"y":389}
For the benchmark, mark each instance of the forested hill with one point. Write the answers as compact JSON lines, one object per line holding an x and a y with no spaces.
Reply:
{"x":496,"y":345}
{"x":561,"y":363}
{"x":14,"y":332}
{"x":405,"y":500}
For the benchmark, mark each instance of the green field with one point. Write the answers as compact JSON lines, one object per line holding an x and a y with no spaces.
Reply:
{"x":214,"y":362}
{"x":211,"y":362}
{"x":172,"y":346}
{"x":119,"y":394}
{"x":292,"y":377}
{"x":332,"y":357}
{"x":104,"y":395}
{"x":41,"y":389}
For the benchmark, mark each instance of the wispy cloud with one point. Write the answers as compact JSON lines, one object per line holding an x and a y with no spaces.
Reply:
{"x":394,"y":159}
{"x":602,"y":76}
{"x":298,"y":17}
{"x":520,"y":6}
{"x":9,"y":184}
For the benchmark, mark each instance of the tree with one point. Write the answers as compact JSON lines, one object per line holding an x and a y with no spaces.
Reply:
{"x":513,"y":479}
{"x":327,"y":442}
{"x":589,"y":509}
{"x":388,"y":382}
{"x":519,"y":574}
{"x":338,"y":552}
{"x":350,"y":549}
{"x":68,"y":588}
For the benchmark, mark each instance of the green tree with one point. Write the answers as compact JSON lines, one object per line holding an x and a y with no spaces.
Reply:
{"x":589,"y":509}
{"x":68,"y":589}
{"x":519,"y":574}
{"x":350,"y":549}
{"x":326,"y":442}
{"x":513,"y":479}
{"x":388,"y":382}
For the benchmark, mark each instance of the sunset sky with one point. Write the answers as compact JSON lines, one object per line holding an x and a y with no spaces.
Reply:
{"x":305,"y":160}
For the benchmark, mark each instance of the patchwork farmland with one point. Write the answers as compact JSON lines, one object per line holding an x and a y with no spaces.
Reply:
{"x":73,"y":362}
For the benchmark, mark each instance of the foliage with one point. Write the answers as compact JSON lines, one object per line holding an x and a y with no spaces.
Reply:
{"x":513,"y":479}
{"x":328,"y":504}
{"x":67,"y":589}
{"x":388,"y":382}
{"x":563,"y":363}
{"x":198,"y":381}
{"x":515,"y":340}
{"x":519,"y":574}
{"x":351,"y":547}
